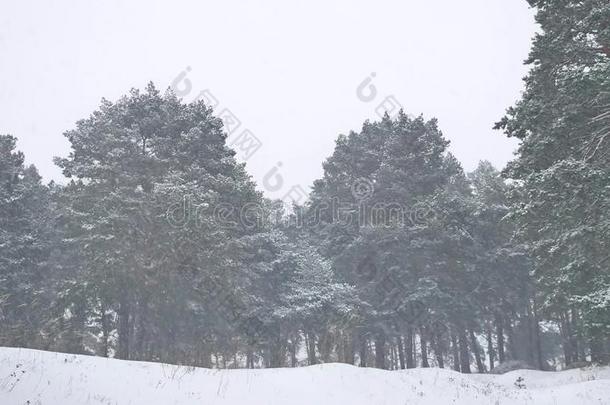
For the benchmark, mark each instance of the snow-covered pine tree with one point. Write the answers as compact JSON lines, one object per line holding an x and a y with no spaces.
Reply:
{"x":149,"y":174}
{"x":563,"y":167}
{"x":24,"y":218}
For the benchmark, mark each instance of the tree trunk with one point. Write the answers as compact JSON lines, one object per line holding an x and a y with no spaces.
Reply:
{"x":74,"y":340}
{"x":325,"y":346}
{"x":456,"y":352}
{"x":205,"y":357}
{"x":141,"y":332}
{"x":500,"y":338}
{"x":537,"y":341}
{"x":349,"y":352}
{"x":423,"y":348}
{"x":578,"y":339}
{"x":510,"y":343}
{"x":475,"y":350}
{"x":249,"y":359}
{"x":435,"y":341}
{"x":362,"y":350}
{"x":380,"y":361}
{"x":105,"y":331}
{"x":310,"y":340}
{"x":277,"y":355}
{"x":565,"y":335}
{"x":490,"y":349}
{"x":409,"y":349}
{"x":401,"y":353}
{"x":123,"y":330}
{"x":464,"y":354}
{"x":530,"y":345}
{"x":293,"y":353}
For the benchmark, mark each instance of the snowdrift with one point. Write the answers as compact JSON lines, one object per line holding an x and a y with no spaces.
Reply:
{"x":48,"y":378}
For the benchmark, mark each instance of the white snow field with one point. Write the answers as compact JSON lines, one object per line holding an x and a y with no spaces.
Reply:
{"x":36,"y":377}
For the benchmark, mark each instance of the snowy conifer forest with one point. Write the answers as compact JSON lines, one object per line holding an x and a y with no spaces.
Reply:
{"x":159,"y":246}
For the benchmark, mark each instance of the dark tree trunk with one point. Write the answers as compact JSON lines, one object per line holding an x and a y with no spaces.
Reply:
{"x":380,"y":361}
{"x":205,"y":357}
{"x":325,"y":343}
{"x":423,"y":348}
{"x":435,"y":341}
{"x":409,"y":349}
{"x":464,"y":354}
{"x":311,"y":349}
{"x":578,"y":338}
{"x":74,"y":339}
{"x":349,"y":352}
{"x":475,"y":350}
{"x":536,"y":333}
{"x":401,"y":353}
{"x":141,"y":333}
{"x":564,"y":338}
{"x":293,"y":354}
{"x":250,"y":359}
{"x":362,"y":349}
{"x":123,"y":330}
{"x":565,"y":331}
{"x":511,"y":349}
{"x":105,"y":331}
{"x":530,"y":345}
{"x":456,"y":353}
{"x":500,"y":338}
{"x":276,"y":355}
{"x":490,"y":349}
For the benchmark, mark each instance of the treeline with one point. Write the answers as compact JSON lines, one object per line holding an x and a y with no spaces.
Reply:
{"x":160,"y":248}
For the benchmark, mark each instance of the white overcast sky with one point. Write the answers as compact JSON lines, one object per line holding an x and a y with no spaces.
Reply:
{"x":287,"y":69}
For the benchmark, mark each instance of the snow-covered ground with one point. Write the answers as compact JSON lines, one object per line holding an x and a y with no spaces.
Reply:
{"x":48,"y":378}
